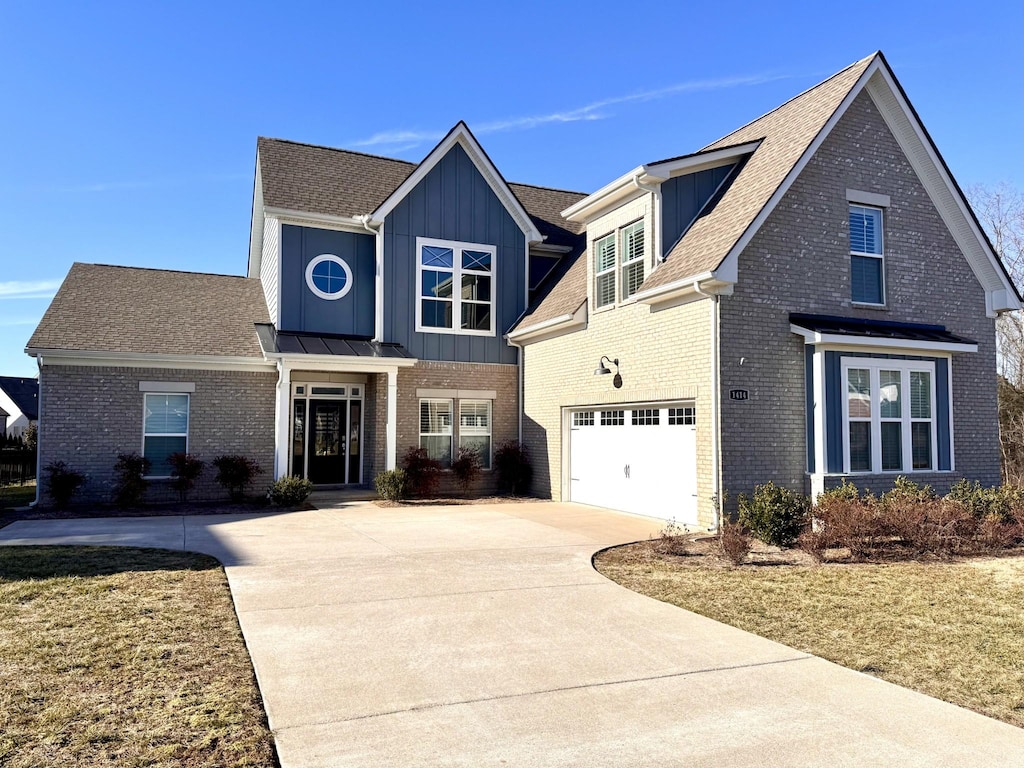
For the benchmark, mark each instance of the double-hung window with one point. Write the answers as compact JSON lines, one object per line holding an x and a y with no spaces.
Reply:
{"x":164,"y":429}
{"x":436,"y":430}
{"x":619,"y":264}
{"x":455,"y":287}
{"x":604,"y":271}
{"x":889,"y":415}
{"x":632,"y":258}
{"x":475,"y":429}
{"x":867,"y":261}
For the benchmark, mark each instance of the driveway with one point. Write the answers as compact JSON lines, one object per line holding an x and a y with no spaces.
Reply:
{"x":481,"y":636}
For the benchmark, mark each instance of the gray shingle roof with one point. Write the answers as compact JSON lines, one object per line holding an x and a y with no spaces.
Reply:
{"x":153,"y":311}
{"x":24,"y":393}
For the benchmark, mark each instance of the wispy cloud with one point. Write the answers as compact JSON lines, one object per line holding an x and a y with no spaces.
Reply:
{"x":134,"y":185}
{"x":28,"y":289}
{"x":398,"y":140}
{"x":10,"y":322}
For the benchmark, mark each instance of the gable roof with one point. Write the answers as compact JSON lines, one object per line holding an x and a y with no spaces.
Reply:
{"x":24,"y":393}
{"x":138,"y":311}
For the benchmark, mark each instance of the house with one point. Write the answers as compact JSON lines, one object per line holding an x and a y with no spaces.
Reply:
{"x":19,"y":402}
{"x":806,"y":299}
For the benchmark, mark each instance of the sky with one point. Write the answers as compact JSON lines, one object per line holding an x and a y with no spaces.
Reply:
{"x":128,"y":130}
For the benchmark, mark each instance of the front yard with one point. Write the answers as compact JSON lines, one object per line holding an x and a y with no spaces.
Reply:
{"x":951,"y":630}
{"x":126,"y":657}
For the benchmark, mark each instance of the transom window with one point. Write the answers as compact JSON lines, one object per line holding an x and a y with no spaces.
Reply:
{"x":685,"y":416}
{"x":619,"y":264}
{"x":889,"y":415}
{"x":328,"y":277}
{"x":867,"y":260}
{"x":455,"y":287}
{"x":164,"y":430}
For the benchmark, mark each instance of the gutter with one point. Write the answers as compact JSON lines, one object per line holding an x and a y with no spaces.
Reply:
{"x":378,"y":311}
{"x":716,"y":407}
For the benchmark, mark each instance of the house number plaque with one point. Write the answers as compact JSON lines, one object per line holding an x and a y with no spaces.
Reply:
{"x":739,"y":394}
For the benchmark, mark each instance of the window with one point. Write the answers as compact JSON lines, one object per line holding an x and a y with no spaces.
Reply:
{"x":867,"y":267}
{"x":436,"y":430}
{"x":455,"y":292}
{"x":328,"y":277}
{"x":686,"y":416}
{"x":583,"y":419}
{"x":613,"y":418}
{"x":475,"y":428}
{"x":164,"y":429}
{"x":646,"y":417}
{"x":619,"y":264}
{"x":889,"y":415}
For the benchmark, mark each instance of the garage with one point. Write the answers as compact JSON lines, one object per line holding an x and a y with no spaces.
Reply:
{"x":640,"y":459}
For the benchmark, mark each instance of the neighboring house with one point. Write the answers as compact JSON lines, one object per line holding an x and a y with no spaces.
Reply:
{"x":19,"y":400}
{"x":4,"y":415}
{"x":806,"y":299}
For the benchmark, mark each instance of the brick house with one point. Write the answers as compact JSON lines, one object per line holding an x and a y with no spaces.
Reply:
{"x":806,"y":299}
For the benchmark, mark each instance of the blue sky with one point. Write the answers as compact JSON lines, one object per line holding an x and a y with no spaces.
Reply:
{"x":128,"y":131}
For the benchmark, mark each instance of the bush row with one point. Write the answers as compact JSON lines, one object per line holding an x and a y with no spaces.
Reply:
{"x":419,"y":476}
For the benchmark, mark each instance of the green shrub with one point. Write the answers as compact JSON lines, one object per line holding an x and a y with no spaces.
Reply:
{"x":998,"y":502}
{"x":392,"y":485}
{"x":130,"y":487}
{"x":185,"y":470}
{"x":466,"y":468}
{"x":423,"y":472}
{"x":289,"y":491}
{"x":62,"y":482}
{"x":512,"y":462}
{"x":775,"y":515}
{"x":235,"y":473}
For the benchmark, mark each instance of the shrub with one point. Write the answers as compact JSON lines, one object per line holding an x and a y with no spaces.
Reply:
{"x":423,"y":472}
{"x":392,"y":485}
{"x":235,"y":473}
{"x":671,"y":539}
{"x":289,"y":491}
{"x":775,"y":515}
{"x":842,"y":519}
{"x":30,"y":438}
{"x":995,"y":534}
{"x":185,"y":470}
{"x":130,"y":487}
{"x":735,"y":543}
{"x":62,"y":482}
{"x":512,"y":462}
{"x":931,"y":526}
{"x":466,"y":468}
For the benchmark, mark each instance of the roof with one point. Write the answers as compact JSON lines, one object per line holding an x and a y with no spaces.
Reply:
{"x":876,"y":329}
{"x":292,"y":343}
{"x":343,"y":183}
{"x":102,"y":308}
{"x":24,"y":393}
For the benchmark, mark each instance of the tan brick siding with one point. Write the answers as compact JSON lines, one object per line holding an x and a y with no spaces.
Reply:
{"x":91,"y":414}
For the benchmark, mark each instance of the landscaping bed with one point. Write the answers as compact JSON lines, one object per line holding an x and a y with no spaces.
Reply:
{"x":120,"y":656}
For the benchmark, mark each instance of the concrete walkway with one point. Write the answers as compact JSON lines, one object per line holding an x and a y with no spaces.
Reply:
{"x":481,"y":636}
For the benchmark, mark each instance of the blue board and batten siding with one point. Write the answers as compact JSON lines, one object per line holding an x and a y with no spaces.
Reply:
{"x":452,"y":202}
{"x":834,"y":412}
{"x":301,"y":309}
{"x":682,"y":198}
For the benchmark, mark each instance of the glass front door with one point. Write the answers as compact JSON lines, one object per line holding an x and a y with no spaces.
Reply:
{"x":327,"y":434}
{"x":326,"y":446}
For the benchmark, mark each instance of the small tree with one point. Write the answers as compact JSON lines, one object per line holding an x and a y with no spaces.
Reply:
{"x":185,"y":469}
{"x":30,"y":438}
{"x":466,"y":468}
{"x":62,"y":482}
{"x":235,"y":473}
{"x":512,"y":461}
{"x":131,"y":472}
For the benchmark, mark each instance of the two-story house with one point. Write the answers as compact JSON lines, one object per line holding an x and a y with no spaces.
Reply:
{"x":806,"y":299}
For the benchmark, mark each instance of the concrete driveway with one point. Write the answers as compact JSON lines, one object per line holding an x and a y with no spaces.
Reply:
{"x":481,"y":636}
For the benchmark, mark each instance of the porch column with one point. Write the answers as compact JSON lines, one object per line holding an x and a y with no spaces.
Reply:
{"x":282,"y":420}
{"x":391,"y":444}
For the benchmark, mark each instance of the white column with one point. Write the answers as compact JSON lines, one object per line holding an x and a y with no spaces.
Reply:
{"x":391,"y":444}
{"x":820,"y":425}
{"x":282,"y":421}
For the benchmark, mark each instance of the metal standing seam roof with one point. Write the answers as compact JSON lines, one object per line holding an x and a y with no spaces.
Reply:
{"x":296,"y":343}
{"x":877,"y":329}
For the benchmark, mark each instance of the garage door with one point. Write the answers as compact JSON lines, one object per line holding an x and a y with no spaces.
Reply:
{"x":641,"y":460}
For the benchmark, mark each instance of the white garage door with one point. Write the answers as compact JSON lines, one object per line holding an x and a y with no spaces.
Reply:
{"x":640,"y":459}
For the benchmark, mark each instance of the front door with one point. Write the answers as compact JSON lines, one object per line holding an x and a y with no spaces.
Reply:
{"x":326,"y":447}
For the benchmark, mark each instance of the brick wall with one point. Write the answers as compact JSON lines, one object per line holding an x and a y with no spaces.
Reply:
{"x":799,"y":262}
{"x":91,"y":414}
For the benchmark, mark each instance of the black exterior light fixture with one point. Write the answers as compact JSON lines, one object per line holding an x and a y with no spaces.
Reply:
{"x":602,"y":369}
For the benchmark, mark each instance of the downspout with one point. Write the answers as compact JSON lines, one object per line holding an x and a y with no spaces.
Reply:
{"x":659,"y":257}
{"x":378,"y":310}
{"x":522,"y":383}
{"x":39,"y":435}
{"x":716,"y":408}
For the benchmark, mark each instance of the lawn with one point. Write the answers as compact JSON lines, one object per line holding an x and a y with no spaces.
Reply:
{"x":17,"y":495}
{"x":127,"y":657}
{"x":952,"y":630}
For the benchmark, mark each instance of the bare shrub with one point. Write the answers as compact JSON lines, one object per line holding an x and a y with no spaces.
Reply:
{"x":671,"y":540}
{"x":994,"y":534}
{"x":933,"y":526}
{"x":735,"y":543}
{"x":844,"y":519}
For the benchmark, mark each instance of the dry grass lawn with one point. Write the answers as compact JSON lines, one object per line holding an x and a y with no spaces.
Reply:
{"x":125,"y":657}
{"x":952,"y":630}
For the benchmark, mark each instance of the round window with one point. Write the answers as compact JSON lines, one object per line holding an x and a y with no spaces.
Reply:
{"x":328,"y":277}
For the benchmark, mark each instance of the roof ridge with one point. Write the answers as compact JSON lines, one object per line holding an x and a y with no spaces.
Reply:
{"x":338,"y":149}
{"x":549,"y":189}
{"x":803,"y":93}
{"x":161,"y":269}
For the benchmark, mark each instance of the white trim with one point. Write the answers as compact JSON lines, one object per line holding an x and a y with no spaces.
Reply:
{"x":316,"y":261}
{"x":282,"y":421}
{"x":819,"y":414}
{"x":461,"y":135}
{"x":343,"y":363}
{"x":549,"y":329}
{"x":138,"y":360}
{"x":489,"y":402}
{"x":457,"y":271}
{"x":865,"y":343}
{"x":867,"y":255}
{"x":869,"y":199}
{"x":378,"y":315}
{"x":145,"y":434}
{"x":450,"y":434}
{"x":176,"y":387}
{"x":458,"y":394}
{"x":391,"y":428}
{"x":316,"y":220}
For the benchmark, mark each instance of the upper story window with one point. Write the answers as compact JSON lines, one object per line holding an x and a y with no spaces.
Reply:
{"x":455,"y":287}
{"x":618,"y":264}
{"x":867,"y":261}
{"x":328,"y":277}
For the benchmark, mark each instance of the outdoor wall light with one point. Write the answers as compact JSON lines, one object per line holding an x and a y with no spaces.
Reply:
{"x":602,"y":369}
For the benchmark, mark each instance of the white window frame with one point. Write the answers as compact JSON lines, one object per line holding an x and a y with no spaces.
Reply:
{"x":314,"y":263}
{"x":486,"y":461}
{"x":619,"y":263}
{"x":612,"y":270}
{"x":457,"y":271}
{"x":145,"y":434}
{"x":880,"y":256}
{"x":450,"y":434}
{"x":623,"y":253}
{"x":874,"y":365}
